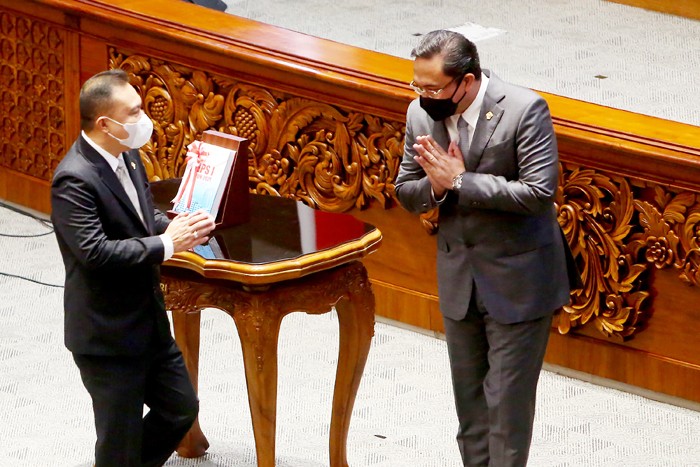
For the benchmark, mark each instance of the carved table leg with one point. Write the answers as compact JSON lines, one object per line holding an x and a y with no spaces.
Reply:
{"x":356,"y":320}
{"x":258,"y":314}
{"x":186,"y":326}
{"x":258,"y":329}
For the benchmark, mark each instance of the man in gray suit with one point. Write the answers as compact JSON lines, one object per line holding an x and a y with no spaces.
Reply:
{"x":484,"y":151}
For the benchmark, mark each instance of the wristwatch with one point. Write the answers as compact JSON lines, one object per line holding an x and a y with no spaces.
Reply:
{"x":457,"y":182}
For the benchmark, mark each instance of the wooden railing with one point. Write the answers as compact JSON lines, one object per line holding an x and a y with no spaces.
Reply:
{"x":326,"y":125}
{"x":687,"y":8}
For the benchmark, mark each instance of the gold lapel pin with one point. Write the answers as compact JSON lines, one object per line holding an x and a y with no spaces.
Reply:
{"x":133,"y":166}
{"x":489,"y":115}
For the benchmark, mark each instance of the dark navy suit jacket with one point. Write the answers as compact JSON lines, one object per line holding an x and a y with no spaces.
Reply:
{"x":112,"y":298}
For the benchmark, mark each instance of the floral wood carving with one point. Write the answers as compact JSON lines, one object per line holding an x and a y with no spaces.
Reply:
{"x":335,"y":159}
{"x":32,"y":90}
{"x":596,"y":214}
{"x":616,"y":231}
{"x":671,"y":235}
{"x":430,"y":220}
{"x":332,"y":158}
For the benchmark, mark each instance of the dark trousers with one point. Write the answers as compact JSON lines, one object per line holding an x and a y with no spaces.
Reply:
{"x":121,"y":386}
{"x":495,"y":368}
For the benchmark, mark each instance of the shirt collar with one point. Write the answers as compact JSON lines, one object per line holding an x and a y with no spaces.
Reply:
{"x":111,"y":160}
{"x":471,"y":114}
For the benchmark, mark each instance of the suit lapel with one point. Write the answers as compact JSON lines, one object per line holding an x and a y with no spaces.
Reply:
{"x":489,"y":116}
{"x":109,"y":178}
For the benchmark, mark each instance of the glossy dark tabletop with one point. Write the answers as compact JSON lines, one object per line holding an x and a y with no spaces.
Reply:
{"x":279,"y":229}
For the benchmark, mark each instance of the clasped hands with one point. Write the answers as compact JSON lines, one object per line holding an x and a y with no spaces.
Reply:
{"x":188,"y":230}
{"x":440,"y":166}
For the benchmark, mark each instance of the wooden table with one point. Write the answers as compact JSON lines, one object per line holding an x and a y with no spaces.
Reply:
{"x":287,"y":258}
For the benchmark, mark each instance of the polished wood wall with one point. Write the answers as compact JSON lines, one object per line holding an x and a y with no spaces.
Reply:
{"x":326,"y":125}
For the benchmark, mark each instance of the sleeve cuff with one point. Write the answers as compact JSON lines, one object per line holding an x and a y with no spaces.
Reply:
{"x":168,"y":248}
{"x":438,"y":201}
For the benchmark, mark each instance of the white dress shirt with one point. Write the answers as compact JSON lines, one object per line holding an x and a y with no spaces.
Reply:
{"x":470,"y":115}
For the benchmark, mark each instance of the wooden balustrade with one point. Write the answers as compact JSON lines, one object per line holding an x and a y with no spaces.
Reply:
{"x":326,"y":125}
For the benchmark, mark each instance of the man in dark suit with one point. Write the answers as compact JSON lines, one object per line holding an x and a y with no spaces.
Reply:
{"x":113,"y":241}
{"x":484,"y":151}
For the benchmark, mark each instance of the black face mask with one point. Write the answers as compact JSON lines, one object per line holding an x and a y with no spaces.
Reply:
{"x":440,"y":109}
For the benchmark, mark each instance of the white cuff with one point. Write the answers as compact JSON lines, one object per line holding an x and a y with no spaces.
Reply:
{"x":438,"y":201}
{"x":168,"y":248}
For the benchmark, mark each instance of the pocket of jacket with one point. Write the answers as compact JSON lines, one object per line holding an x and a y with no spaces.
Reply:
{"x":523,"y":245}
{"x":507,"y":145}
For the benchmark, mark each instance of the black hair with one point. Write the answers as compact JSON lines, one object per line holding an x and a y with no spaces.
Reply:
{"x":459,"y":53}
{"x":96,"y":95}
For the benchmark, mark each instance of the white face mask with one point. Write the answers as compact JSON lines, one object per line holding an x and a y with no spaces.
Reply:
{"x":139,"y":132}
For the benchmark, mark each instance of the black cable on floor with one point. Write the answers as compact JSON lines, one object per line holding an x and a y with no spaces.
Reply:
{"x":45,"y":223}
{"x":30,"y":280}
{"x":26,"y":236}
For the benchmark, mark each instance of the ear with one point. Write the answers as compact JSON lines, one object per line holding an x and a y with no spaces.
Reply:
{"x":468,"y":79}
{"x":101,"y":124}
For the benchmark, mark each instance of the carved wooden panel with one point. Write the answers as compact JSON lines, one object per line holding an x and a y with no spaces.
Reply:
{"x":618,"y":229}
{"x":332,"y":158}
{"x":336,"y":159}
{"x":32,"y":93}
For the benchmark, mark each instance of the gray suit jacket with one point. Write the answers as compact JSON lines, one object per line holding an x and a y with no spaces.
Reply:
{"x":500,"y":231}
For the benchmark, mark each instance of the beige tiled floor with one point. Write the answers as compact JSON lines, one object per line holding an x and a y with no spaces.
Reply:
{"x":403,"y":417}
{"x":651,"y":61}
